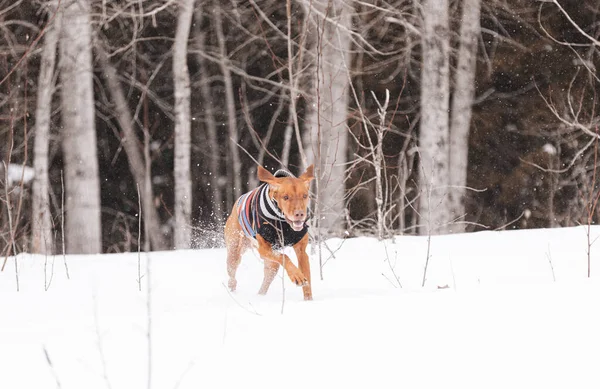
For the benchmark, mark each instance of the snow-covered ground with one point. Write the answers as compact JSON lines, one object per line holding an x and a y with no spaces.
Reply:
{"x":17,"y":173}
{"x":518,"y":312}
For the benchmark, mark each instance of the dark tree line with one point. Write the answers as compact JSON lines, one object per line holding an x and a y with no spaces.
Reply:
{"x":285,"y":83}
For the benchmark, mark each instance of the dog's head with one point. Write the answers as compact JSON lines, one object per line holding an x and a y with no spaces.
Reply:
{"x":291,"y":194}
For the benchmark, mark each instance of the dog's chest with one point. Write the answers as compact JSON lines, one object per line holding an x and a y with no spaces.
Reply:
{"x":280,"y":234}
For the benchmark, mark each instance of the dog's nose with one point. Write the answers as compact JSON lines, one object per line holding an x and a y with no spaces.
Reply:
{"x":299,"y":214}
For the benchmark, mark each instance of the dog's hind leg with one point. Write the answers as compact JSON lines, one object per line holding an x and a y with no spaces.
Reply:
{"x":236,"y":245}
{"x":233,"y":261}
{"x":271,"y":269}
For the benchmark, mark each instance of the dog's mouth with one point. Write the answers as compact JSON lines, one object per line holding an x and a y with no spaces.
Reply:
{"x":297,"y":225}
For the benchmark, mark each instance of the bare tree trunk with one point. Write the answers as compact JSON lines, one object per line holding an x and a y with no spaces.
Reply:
{"x":231,"y":111}
{"x":211,"y":125}
{"x":294,"y":77}
{"x":42,"y":241}
{"x":434,"y":129}
{"x":183,"y":184}
{"x":326,"y":133}
{"x":83,"y":226}
{"x":287,"y":141}
{"x":130,"y":143}
{"x":462,"y":101}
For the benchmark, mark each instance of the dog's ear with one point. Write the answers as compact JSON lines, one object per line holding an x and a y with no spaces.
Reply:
{"x":265,"y":176}
{"x":308,"y":175}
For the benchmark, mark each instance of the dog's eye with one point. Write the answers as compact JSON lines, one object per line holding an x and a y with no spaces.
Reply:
{"x":305,"y":196}
{"x":286,"y":197}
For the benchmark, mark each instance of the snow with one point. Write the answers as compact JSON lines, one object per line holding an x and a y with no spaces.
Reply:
{"x":518,"y":312}
{"x":549,"y":149}
{"x":17,"y":172}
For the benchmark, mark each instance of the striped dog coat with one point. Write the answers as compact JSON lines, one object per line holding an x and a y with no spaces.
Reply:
{"x":258,"y":214}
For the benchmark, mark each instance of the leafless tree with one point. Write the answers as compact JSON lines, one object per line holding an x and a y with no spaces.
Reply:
{"x":444,"y":128}
{"x":83,"y":229}
{"x":302,"y":69}
{"x":209,"y":114}
{"x":579,"y":121}
{"x":183,"y":182}
{"x":326,"y":133}
{"x":434,"y":127}
{"x":462,"y":101}
{"x":295,"y":66}
{"x":42,"y":239}
{"x":224,"y":63}
{"x":130,"y":143}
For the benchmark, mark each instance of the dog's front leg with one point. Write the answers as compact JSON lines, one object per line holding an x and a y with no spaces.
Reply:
{"x":268,"y":254}
{"x":304,"y":264}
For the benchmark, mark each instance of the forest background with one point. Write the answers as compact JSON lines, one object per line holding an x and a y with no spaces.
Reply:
{"x":135,"y":124}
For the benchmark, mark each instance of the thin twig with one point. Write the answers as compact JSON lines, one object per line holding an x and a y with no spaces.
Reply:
{"x":139,"y":263}
{"x":332,"y":252}
{"x":33,"y":44}
{"x":10,"y":226}
{"x":427,"y":258}
{"x":253,"y":311}
{"x":149,"y":320}
{"x":47,"y":282}
{"x":183,"y":374}
{"x":591,"y":207}
{"x":428,"y":189}
{"x":452,"y":271}
{"x":390,"y":264}
{"x":574,"y":24}
{"x":549,"y":256}
{"x":502,"y":227}
{"x":283,"y":256}
{"x":389,"y":280}
{"x":49,"y":362}
{"x":62,"y":222}
{"x":99,"y":344}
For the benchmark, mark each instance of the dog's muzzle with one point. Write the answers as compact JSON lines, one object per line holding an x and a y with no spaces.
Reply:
{"x":297,"y":225}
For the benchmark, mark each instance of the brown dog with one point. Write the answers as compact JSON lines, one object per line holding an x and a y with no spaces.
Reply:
{"x":274,"y":216}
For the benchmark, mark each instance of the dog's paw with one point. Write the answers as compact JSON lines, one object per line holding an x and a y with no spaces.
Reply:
{"x":297,"y":277}
{"x":232,"y":284}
